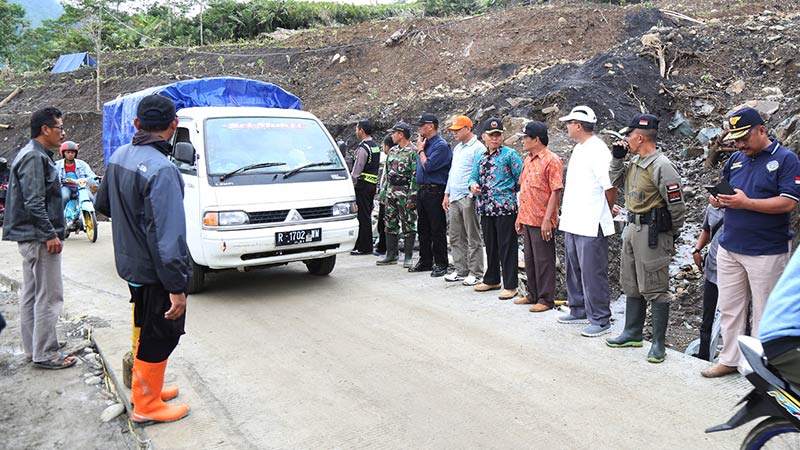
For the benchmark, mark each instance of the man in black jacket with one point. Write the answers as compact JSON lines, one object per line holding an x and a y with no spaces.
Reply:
{"x":35,"y":220}
{"x":143,"y":192}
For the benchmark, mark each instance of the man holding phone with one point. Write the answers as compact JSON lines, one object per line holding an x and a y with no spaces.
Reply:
{"x":656,"y":211}
{"x":754,"y":246}
{"x":433,"y":166}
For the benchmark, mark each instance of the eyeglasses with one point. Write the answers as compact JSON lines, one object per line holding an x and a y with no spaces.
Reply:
{"x":59,"y":127}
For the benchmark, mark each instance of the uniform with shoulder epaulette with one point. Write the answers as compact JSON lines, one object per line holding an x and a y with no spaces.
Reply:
{"x":656,"y":211}
{"x":399,"y":193}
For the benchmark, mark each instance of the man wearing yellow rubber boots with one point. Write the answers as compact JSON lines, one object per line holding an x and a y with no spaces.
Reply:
{"x":654,"y":198}
{"x":143,"y":192}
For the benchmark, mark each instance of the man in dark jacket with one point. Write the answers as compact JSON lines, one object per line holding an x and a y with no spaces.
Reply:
{"x":143,"y":192}
{"x":34,"y":219}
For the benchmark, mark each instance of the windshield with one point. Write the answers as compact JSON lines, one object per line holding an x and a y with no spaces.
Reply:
{"x":236,"y":143}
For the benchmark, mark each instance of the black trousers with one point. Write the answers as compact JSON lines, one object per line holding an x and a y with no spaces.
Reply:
{"x":381,"y":247}
{"x":431,"y":226}
{"x":158,"y":336}
{"x":500,"y":239}
{"x":710,"y":294}
{"x":365,"y":196}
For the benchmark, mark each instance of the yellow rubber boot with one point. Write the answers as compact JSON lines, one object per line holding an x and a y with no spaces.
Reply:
{"x":148,"y":380}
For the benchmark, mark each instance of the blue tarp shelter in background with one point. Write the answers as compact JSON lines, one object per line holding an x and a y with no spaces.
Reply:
{"x":118,"y":114}
{"x":73,"y":61}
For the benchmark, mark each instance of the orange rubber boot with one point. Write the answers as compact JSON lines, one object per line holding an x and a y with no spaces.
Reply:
{"x":146,"y":386}
{"x":168,"y":392}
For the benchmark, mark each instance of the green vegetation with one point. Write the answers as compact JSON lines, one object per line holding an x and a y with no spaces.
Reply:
{"x":179,"y":23}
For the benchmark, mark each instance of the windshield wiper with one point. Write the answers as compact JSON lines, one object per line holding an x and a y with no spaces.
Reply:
{"x":306,"y":166}
{"x":251,"y":167}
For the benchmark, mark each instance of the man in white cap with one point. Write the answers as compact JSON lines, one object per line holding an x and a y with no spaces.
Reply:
{"x":586,"y":222}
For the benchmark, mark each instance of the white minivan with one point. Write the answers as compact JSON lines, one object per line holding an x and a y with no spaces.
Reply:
{"x":263,"y":187}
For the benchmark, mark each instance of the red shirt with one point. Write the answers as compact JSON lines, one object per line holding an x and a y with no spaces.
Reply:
{"x":542,"y":174}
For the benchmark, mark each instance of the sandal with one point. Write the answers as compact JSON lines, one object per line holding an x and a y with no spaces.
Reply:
{"x":61,"y":362}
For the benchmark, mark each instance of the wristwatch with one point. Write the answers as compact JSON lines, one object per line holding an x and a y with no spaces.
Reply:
{"x":696,"y":250}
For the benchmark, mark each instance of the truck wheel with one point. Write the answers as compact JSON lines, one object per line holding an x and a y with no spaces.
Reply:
{"x":321,"y":266}
{"x":198,"y":278}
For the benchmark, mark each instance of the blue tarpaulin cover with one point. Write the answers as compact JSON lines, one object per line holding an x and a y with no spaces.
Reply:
{"x":73,"y":61}
{"x":118,"y":114}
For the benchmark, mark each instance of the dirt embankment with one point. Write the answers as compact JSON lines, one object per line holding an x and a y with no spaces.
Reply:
{"x":523,"y":63}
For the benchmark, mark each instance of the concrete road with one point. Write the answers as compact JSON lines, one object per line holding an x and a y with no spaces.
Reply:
{"x":376,"y":357}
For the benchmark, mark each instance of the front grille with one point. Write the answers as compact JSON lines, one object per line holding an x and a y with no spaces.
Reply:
{"x":320,"y":212}
{"x":268,"y":216}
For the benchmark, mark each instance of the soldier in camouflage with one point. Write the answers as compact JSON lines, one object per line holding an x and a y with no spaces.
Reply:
{"x":399,"y":194}
{"x":656,"y":211}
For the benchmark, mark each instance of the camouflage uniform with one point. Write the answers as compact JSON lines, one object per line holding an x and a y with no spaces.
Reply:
{"x":399,"y":188}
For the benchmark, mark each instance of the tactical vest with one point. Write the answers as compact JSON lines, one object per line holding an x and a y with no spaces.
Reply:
{"x":370,"y":172}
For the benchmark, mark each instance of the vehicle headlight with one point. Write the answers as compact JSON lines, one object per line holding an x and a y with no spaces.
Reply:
{"x":225,"y":218}
{"x":344,"y":208}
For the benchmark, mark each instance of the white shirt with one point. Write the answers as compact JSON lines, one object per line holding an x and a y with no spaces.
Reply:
{"x":464,"y":157}
{"x":585,"y":206}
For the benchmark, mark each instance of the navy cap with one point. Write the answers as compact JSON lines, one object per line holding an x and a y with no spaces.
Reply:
{"x":741,"y":122}
{"x":641,"y":122}
{"x":427,"y":118}
{"x":493,"y":125}
{"x":400,"y":126}
{"x":536,"y":129}
{"x":155,"y":110}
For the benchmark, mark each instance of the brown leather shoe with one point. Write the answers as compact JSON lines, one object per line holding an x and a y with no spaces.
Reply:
{"x":507,"y":294}
{"x":522,"y":301}
{"x":718,"y":370}
{"x":483,"y":287}
{"x":540,"y":308}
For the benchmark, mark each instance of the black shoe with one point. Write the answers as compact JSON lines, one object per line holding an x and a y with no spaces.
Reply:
{"x":420,"y":268}
{"x":359,"y":253}
{"x":439,"y":271}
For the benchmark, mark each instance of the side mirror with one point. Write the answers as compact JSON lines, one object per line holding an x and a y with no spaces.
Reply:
{"x":342,"y":146}
{"x":184,"y":152}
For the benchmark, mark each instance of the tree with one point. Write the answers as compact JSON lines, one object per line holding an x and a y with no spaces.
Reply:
{"x":12,"y":22}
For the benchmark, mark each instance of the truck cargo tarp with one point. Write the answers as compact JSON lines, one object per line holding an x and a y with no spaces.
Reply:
{"x":118,"y":114}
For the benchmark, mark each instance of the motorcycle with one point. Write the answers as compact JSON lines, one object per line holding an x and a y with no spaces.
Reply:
{"x":772,"y":397}
{"x":79,"y":214}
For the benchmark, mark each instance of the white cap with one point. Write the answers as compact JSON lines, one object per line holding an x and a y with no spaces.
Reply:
{"x":580,"y":113}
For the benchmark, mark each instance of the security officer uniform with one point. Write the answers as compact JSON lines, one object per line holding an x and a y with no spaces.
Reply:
{"x":656,"y":211}
{"x":365,"y":185}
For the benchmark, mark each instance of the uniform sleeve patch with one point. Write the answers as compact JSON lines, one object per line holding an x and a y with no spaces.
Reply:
{"x":674,"y":194}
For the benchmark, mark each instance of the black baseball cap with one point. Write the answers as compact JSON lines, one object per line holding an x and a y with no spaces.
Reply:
{"x":427,"y":118}
{"x":641,"y":122}
{"x":155,"y":110}
{"x":741,"y":122}
{"x":400,"y":126}
{"x":493,"y":125}
{"x":536,"y":129}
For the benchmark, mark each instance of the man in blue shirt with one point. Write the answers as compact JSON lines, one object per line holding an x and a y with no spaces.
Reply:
{"x":433,"y":165}
{"x":459,"y":204}
{"x":754,"y":246}
{"x":495,"y":183}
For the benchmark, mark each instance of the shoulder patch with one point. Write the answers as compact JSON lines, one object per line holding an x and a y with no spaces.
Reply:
{"x":142,"y":168}
{"x":674,"y":194}
{"x":736,"y":165}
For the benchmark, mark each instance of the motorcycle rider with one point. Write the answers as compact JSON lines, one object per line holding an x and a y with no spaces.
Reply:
{"x":69,"y":166}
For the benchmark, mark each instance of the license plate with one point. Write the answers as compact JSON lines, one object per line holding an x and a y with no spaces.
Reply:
{"x":298,"y":236}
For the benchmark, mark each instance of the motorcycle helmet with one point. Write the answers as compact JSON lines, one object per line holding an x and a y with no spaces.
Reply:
{"x":69,"y":145}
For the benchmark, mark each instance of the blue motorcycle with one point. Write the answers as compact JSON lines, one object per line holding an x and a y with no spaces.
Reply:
{"x":79,"y":214}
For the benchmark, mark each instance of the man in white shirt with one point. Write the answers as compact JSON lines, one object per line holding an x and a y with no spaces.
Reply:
{"x":459,"y":203}
{"x":587,"y":222}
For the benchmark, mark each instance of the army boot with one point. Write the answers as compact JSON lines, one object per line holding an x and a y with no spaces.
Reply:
{"x":408,"y":247}
{"x":660,"y":322}
{"x":391,"y":250}
{"x":635,"y":309}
